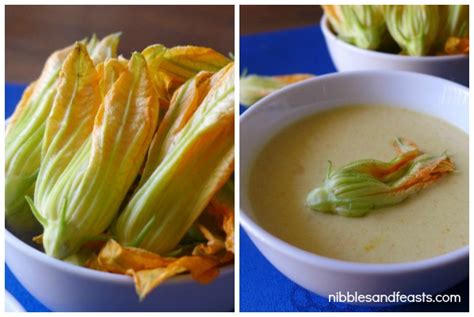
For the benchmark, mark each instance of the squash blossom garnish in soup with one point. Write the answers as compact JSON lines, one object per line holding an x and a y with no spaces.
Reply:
{"x":358,"y":187}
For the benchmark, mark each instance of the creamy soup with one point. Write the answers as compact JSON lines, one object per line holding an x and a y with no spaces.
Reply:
{"x":295,"y":161}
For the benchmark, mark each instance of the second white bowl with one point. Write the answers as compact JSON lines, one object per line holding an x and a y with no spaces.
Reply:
{"x":347,"y":57}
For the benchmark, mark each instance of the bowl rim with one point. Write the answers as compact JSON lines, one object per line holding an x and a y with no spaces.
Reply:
{"x":273,"y":242}
{"x":108,"y":277}
{"x":329,"y":35}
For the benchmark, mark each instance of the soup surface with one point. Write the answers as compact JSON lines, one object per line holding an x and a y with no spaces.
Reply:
{"x":430,"y":223}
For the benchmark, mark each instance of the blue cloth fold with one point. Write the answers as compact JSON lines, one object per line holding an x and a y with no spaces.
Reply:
{"x":262,"y":287}
{"x":27,"y":300}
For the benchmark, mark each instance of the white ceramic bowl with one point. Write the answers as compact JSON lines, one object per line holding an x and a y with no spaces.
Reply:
{"x":319,"y":274}
{"x":347,"y":57}
{"x":61,"y":286}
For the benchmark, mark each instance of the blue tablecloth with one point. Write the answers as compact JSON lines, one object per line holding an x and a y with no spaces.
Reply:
{"x":262,"y":287}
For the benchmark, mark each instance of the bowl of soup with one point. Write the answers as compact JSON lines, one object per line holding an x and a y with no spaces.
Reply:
{"x":419,"y":245}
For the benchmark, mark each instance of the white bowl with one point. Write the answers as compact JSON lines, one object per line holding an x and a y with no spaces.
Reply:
{"x":61,"y":286}
{"x":319,"y":274}
{"x":347,"y":57}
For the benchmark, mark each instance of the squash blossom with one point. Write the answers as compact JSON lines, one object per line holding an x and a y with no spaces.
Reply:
{"x":356,"y":188}
{"x":108,"y":72}
{"x":86,"y":196}
{"x":255,"y":87}
{"x":184,"y":103}
{"x":413,"y":27}
{"x":71,"y":120}
{"x":171,"y":67}
{"x":102,"y":50}
{"x":361,"y":25}
{"x":455,"y":21}
{"x":26,"y":129}
{"x":199,"y":163}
